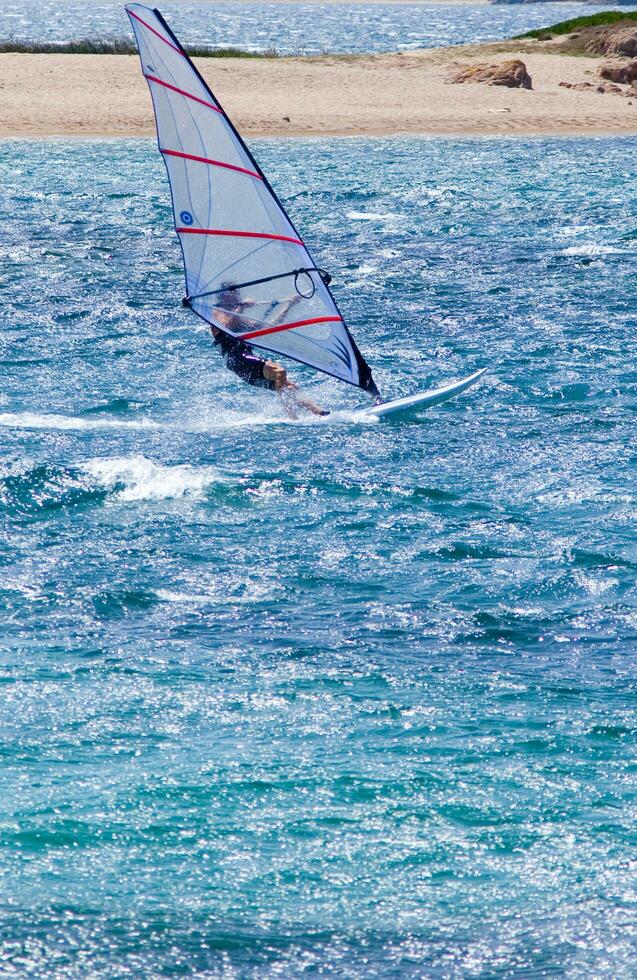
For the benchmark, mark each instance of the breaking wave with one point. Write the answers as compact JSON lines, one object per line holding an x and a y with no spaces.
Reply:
{"x":591,"y":250}
{"x":29,"y":489}
{"x":138,"y":478}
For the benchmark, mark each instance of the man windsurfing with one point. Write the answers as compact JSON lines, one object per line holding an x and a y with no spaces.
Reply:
{"x":227,"y":216}
{"x":240,"y":358}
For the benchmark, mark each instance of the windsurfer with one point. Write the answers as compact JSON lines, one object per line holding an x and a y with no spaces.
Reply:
{"x":193,"y":133}
{"x":240,"y":358}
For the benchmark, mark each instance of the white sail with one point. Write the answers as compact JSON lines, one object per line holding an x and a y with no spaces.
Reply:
{"x":241,"y":251}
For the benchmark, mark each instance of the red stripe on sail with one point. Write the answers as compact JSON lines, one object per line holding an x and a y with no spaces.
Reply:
{"x":160,"y":36}
{"x":289,"y":326}
{"x":237,"y":234}
{"x":180,"y":91}
{"x":213,"y":163}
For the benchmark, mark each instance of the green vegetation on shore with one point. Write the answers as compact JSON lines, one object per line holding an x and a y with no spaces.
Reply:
{"x":578,"y":23}
{"x":118,"y":46}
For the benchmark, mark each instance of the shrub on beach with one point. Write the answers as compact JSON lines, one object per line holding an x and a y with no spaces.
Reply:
{"x":81,"y":46}
{"x":118,"y":46}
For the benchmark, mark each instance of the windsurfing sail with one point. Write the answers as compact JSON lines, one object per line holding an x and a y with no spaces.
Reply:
{"x":247,"y":269}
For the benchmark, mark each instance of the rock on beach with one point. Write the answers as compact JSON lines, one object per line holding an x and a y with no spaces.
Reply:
{"x":603,"y":88}
{"x":622,"y":42}
{"x":620,"y":73}
{"x":511,"y":74}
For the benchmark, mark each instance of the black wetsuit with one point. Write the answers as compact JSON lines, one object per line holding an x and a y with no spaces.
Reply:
{"x":238,"y":357}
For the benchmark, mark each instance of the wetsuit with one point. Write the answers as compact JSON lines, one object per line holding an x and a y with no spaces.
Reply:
{"x":238,"y":357}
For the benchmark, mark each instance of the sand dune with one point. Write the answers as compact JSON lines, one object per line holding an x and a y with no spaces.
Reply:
{"x":92,"y":95}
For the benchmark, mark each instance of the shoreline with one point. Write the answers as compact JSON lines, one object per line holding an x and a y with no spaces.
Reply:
{"x":401,"y":3}
{"x":468,"y":134}
{"x":407,"y":93}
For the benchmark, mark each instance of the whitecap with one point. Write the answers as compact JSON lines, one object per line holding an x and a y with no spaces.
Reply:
{"x":141,"y":479}
{"x":372,"y":216}
{"x":590,"y":250}
{"x":31,"y":420}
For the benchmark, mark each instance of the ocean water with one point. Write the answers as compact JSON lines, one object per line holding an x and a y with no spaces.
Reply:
{"x":292,"y":28}
{"x":322,"y":697}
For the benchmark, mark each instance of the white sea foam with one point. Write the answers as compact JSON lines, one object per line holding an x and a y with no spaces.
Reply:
{"x":144,"y":480}
{"x":226,"y":419}
{"x":239,"y":590}
{"x":595,"y":585}
{"x":212,"y":421}
{"x":591,"y":249}
{"x":387,"y":217}
{"x":31,"y":420}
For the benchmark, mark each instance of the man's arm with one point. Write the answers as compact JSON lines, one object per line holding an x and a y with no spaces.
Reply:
{"x":255,"y":370}
{"x":288,"y":390}
{"x":285,"y":308}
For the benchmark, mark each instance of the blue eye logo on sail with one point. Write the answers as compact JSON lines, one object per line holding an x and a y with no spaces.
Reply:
{"x":186,"y":217}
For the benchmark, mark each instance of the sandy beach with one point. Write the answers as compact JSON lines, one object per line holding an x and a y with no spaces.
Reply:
{"x":105,"y":95}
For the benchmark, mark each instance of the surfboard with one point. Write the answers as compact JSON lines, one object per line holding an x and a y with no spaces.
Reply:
{"x":411,"y":404}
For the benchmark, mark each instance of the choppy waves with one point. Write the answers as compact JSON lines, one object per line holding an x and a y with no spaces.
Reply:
{"x":137,"y":478}
{"x":299,"y":28}
{"x":27,"y":488}
{"x":286,"y":697}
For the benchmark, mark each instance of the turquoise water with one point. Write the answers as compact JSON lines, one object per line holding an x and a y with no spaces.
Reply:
{"x":292,"y":28}
{"x":322,"y":697}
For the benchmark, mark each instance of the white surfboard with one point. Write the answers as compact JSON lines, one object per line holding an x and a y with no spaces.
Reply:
{"x":402,"y":407}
